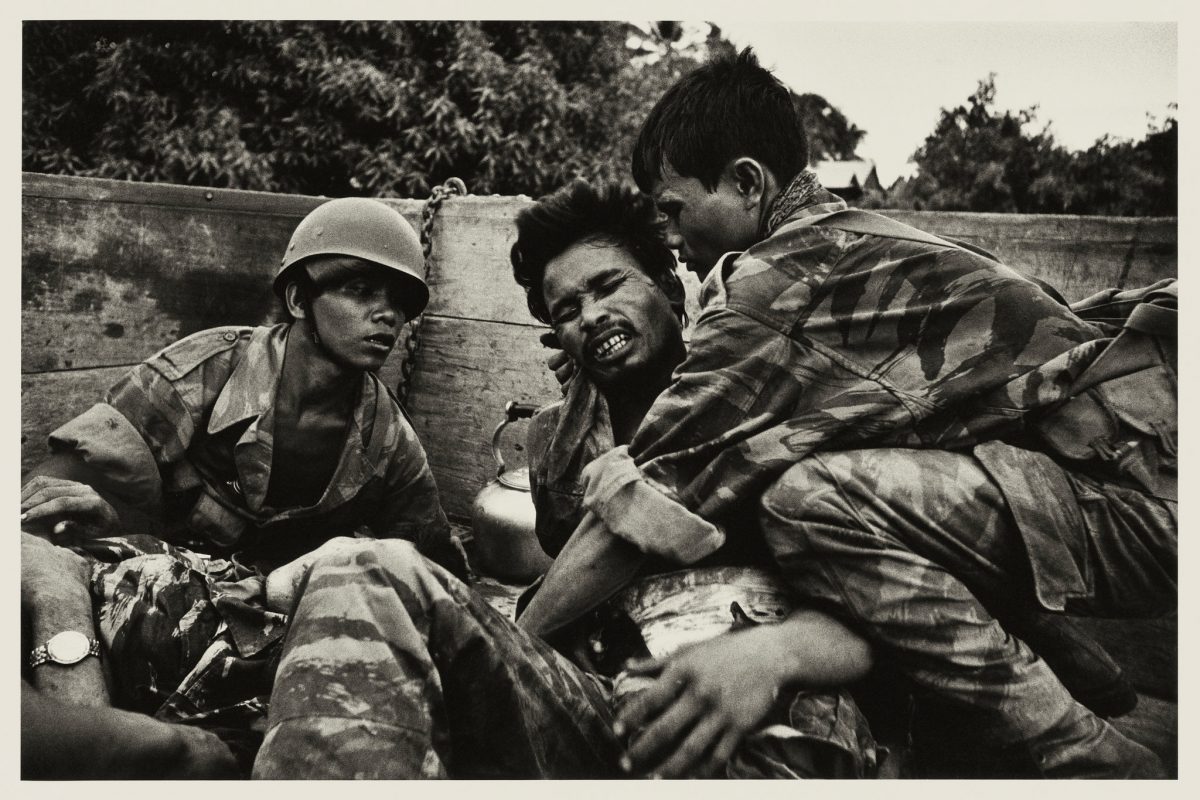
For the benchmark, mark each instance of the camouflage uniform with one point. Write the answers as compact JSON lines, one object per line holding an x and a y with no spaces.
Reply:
{"x":392,"y":668}
{"x":185,"y":438}
{"x":882,"y":388}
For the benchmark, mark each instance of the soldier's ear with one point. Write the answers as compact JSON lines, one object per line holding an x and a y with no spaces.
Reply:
{"x":296,"y":300}
{"x":751,"y":178}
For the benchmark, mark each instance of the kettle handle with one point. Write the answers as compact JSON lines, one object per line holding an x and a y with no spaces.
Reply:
{"x":513,"y":411}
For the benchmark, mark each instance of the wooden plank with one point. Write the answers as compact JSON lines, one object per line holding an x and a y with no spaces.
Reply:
{"x":470,"y":275}
{"x":1078,"y":255}
{"x":50,"y":399}
{"x":108,"y":283}
{"x":100,"y":190}
{"x":465,"y":373}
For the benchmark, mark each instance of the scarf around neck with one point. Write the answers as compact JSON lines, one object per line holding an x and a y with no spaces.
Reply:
{"x":802,"y":191}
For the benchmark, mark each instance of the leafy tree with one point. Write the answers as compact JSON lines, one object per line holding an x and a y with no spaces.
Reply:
{"x":978,"y":159}
{"x":831,"y":137}
{"x":342,"y":108}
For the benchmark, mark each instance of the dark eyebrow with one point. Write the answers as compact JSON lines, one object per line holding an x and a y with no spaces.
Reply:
{"x":601,"y":278}
{"x":595,"y":282}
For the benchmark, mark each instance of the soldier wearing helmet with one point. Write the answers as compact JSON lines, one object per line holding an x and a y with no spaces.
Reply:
{"x":239,"y":449}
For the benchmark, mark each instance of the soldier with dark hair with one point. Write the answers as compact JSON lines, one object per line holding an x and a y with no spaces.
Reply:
{"x":221,"y":457}
{"x":439,"y":684}
{"x":904,"y":415}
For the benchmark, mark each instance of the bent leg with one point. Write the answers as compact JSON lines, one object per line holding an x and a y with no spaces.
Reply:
{"x":393,"y":668}
{"x":891,"y":539}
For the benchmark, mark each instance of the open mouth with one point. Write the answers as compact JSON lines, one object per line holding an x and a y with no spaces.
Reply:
{"x":382,"y":340}
{"x":609,"y":346}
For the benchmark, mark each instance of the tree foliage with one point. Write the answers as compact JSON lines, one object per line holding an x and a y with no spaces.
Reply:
{"x":978,"y":159}
{"x":831,"y":137}
{"x":342,"y":108}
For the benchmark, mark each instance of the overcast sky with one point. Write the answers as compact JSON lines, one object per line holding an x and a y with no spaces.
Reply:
{"x":893,"y":78}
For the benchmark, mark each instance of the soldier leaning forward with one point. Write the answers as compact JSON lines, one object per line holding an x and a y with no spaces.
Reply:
{"x":900,"y":411}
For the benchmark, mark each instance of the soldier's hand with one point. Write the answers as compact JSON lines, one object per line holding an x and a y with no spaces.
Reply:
{"x":66,"y":510}
{"x":283,"y":584}
{"x":703,"y":701}
{"x":201,"y":756}
{"x":559,"y":362}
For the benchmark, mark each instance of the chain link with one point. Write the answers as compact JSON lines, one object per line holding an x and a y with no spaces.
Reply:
{"x":452,"y":186}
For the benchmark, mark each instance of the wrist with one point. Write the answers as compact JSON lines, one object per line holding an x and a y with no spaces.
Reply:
{"x":779,"y":661}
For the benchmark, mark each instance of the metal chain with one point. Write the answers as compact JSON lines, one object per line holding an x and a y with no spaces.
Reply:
{"x":452,"y":186}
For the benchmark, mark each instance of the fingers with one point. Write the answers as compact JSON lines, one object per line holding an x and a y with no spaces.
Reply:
{"x":64,"y":505}
{"x":662,"y":740}
{"x":647,"y":704}
{"x":564,"y":374}
{"x":550,"y":339}
{"x":695,"y":756}
{"x":41,"y":482}
{"x":719,"y":755}
{"x":643,"y":666}
{"x":562,"y":366}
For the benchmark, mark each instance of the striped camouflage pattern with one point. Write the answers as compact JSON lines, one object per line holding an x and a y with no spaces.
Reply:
{"x":916,"y":549}
{"x":201,"y":412}
{"x":395,"y":669}
{"x":819,"y":339}
{"x":563,"y":438}
{"x":186,"y":638}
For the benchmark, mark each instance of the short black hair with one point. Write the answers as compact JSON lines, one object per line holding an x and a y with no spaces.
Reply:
{"x":726,"y":108}
{"x":579,"y":211}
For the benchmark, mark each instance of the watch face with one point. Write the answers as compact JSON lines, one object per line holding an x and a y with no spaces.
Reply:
{"x":68,"y":647}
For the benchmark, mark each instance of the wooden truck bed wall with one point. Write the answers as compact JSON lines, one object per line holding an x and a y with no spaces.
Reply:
{"x":112,"y":271}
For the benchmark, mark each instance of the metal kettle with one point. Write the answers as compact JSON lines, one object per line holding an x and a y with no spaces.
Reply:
{"x":503,"y":517}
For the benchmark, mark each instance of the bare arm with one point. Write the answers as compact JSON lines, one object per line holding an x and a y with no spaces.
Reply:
{"x":706,"y":698}
{"x":56,"y":597}
{"x":63,"y":740}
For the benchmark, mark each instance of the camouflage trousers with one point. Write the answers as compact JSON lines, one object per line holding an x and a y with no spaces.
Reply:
{"x":186,"y":638}
{"x":912,"y":547}
{"x":392,"y":668}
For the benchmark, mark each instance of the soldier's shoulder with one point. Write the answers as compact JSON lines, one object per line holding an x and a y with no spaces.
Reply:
{"x":182,"y":357}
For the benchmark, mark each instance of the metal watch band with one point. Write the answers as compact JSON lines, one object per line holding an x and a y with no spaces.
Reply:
{"x":41,"y":653}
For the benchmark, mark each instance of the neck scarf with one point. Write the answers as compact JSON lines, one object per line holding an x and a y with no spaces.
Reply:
{"x":797,"y":194}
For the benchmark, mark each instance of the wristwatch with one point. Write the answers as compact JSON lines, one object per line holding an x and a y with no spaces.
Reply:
{"x":68,"y":647}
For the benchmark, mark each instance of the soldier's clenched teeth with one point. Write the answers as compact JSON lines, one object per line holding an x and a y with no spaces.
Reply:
{"x":609,"y":346}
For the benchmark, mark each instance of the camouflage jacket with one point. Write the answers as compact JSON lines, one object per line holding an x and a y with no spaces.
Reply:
{"x":820,"y":339}
{"x":187,"y":437}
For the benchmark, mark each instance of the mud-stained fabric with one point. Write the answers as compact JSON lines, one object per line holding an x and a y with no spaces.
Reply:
{"x":395,"y":669}
{"x":187,"y":436}
{"x":907,"y":546}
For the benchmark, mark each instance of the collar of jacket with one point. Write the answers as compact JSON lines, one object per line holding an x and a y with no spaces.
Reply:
{"x":802,"y":197}
{"x":584,"y":430}
{"x":250,"y":393}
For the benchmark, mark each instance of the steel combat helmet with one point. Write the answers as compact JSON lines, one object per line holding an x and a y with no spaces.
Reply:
{"x":362,"y":228}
